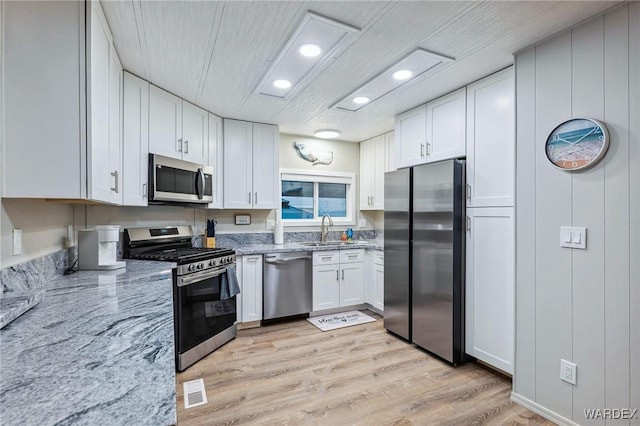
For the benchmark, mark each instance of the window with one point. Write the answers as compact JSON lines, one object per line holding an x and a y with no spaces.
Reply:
{"x":308,"y":196}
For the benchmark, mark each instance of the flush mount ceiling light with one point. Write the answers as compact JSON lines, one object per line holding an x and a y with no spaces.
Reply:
{"x":310,"y":48}
{"x":408,"y":69}
{"x":326,"y":133}
{"x":361,"y":100}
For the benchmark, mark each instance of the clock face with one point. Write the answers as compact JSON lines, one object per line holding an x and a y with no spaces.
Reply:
{"x":577,"y":143}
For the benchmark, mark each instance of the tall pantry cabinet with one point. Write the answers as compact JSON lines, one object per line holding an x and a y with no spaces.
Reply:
{"x":69,"y":136}
{"x":490,"y":276}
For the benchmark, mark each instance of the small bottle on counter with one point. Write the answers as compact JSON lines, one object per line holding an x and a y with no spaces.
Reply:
{"x":343,"y":237}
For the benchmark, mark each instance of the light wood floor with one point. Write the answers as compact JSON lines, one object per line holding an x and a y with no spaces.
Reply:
{"x":293,"y":374}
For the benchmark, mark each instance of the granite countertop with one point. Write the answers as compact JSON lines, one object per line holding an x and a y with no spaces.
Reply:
{"x":242,"y":249}
{"x":98,"y":349}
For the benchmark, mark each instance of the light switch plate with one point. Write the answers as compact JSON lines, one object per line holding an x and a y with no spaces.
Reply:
{"x":243,"y":219}
{"x":573,"y":237}
{"x":362,"y":223}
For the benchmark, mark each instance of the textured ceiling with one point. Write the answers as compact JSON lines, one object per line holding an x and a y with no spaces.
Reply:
{"x":214,"y":53}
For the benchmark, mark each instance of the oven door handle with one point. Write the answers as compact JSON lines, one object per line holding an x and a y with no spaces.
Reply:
{"x":199,"y":276}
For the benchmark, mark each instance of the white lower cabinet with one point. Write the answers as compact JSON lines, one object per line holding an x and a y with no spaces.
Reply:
{"x":249,"y":302}
{"x":375,"y":279}
{"x":338,"y":278}
{"x":490,"y":286}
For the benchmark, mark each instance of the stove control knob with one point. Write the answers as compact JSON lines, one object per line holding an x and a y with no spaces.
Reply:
{"x":200,"y":266}
{"x":212,"y":263}
{"x":191,"y":267}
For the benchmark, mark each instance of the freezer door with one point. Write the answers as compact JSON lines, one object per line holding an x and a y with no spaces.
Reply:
{"x":436,"y":249}
{"x":397,"y":235}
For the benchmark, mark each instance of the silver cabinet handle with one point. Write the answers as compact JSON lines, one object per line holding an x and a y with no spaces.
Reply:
{"x":249,"y":198}
{"x":428,"y":150}
{"x":368,"y":200}
{"x":468,"y":191}
{"x":114,"y":188}
{"x":421,"y":150}
{"x":372,"y":202}
{"x":468,"y":224}
{"x":351,"y":256}
{"x":343,"y":275}
{"x":144,"y":190}
{"x":186,"y":146}
{"x":326,"y":257}
{"x":180,"y":145}
{"x":337,"y":275}
{"x":255,"y":198}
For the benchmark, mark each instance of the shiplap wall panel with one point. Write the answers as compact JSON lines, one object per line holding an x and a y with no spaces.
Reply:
{"x":553,"y":210}
{"x":525,"y":356}
{"x":587,"y":197}
{"x":600,"y":63}
{"x":634,"y":200}
{"x":616,"y":210}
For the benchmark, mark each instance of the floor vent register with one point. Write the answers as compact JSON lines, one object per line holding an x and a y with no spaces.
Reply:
{"x":194,"y":393}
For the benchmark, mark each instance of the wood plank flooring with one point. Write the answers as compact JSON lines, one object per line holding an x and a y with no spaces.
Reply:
{"x":294,"y":374}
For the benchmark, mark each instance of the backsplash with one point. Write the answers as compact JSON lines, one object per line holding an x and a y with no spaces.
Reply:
{"x":34,"y":274}
{"x":233,"y":240}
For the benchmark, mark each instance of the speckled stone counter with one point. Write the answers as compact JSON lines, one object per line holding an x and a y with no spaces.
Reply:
{"x":293,"y":247}
{"x":98,"y":349}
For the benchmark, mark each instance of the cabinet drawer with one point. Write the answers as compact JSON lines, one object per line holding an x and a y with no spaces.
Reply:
{"x":326,"y":257}
{"x":351,"y":256}
{"x":378,"y":258}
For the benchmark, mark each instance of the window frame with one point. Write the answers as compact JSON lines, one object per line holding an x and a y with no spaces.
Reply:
{"x":348,"y":179}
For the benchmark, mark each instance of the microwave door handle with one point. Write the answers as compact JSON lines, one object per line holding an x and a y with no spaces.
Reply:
{"x":200,"y":184}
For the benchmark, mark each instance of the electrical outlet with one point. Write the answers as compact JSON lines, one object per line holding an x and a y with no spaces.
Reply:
{"x":17,"y":242}
{"x":270,"y":224}
{"x":568,"y":371}
{"x":243,"y":219}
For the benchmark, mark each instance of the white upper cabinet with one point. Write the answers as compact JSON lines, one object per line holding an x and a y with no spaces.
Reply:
{"x":491,"y":141}
{"x":372,"y":168}
{"x":446,"y":127}
{"x":64,"y":93}
{"x":411,"y":137}
{"x":135,"y":135}
{"x":251,"y":165}
{"x":432,"y":132}
{"x":177,"y":128}
{"x":216,"y":160}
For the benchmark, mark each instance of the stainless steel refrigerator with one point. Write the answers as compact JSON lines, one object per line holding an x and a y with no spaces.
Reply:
{"x":424,"y":234}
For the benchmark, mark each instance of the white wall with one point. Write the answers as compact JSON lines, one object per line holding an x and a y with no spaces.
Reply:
{"x":580,"y":305}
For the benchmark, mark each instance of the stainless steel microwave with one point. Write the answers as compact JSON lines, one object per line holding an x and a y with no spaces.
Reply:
{"x":173,"y":181}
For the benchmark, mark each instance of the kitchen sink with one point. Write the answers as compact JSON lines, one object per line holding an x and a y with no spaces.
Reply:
{"x":333,"y":243}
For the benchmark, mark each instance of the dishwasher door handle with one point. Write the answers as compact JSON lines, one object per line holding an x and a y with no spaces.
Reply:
{"x":273,"y":260}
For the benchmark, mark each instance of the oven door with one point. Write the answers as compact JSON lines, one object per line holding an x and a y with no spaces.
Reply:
{"x":200,"y":314}
{"x":173,"y":180}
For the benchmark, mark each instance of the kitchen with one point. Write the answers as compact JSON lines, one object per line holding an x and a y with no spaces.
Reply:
{"x":576,"y":305}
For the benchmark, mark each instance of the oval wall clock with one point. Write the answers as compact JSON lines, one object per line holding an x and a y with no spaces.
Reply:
{"x":577,"y":144}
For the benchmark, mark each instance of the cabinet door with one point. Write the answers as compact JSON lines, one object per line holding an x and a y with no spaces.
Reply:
{"x":351,"y":284}
{"x":378,"y":279}
{"x":115,"y":127}
{"x":390,"y":157}
{"x":326,"y":287}
{"x":490,"y":286}
{"x":446,"y":126}
{"x":266,"y":166}
{"x":165,"y":123}
{"x":216,"y":160}
{"x":252,"y":288}
{"x":135,"y":143}
{"x":377,"y":193}
{"x":410,"y":137}
{"x":98,"y":144}
{"x":366,"y":174}
{"x":195,"y":133}
{"x":238,"y":136}
{"x":491,"y":141}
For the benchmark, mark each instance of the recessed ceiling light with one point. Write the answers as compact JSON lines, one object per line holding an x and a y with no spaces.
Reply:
{"x":310,"y":50}
{"x":361,"y":100}
{"x":282,"y":84}
{"x":402,"y":74}
{"x":326,"y":134}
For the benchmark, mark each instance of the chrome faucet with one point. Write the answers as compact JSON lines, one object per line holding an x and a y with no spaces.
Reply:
{"x":323,"y":229}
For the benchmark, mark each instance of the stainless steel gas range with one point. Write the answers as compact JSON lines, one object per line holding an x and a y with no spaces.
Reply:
{"x":204,"y":308}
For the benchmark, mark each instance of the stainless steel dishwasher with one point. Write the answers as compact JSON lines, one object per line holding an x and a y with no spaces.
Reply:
{"x":287,"y":285}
